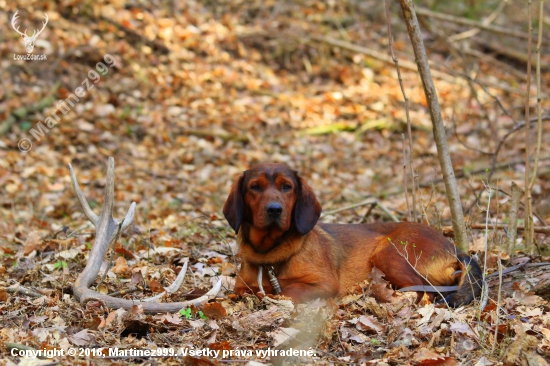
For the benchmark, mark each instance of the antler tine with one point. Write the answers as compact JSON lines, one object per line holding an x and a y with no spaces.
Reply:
{"x":109,"y":200}
{"x":129,"y":218}
{"x":13,"y":23}
{"x":109,"y":197}
{"x":43,"y":25}
{"x":83,"y":202}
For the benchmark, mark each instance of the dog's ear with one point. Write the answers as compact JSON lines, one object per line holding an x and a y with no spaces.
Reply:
{"x":307,"y":209}
{"x":233,"y":209}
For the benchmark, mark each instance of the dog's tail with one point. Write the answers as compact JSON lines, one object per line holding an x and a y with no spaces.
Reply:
{"x":470,"y":285}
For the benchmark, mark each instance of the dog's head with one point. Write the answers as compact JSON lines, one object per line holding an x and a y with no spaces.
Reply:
{"x":271,"y":195}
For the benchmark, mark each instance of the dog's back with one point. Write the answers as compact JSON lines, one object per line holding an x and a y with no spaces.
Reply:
{"x":407,"y":253}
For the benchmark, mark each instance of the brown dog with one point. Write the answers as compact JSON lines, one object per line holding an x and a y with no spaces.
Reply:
{"x":274,"y":213}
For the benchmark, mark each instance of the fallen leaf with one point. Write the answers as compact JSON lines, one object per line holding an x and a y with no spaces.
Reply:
{"x":282,"y":335}
{"x":368,"y":323}
{"x":82,"y":338}
{"x":32,"y":243}
{"x":214,"y":310}
{"x":197,"y":323}
{"x":169,"y":318}
{"x":462,"y":328}
{"x":426,"y":312}
{"x":155,"y":286}
{"x":121,"y":266}
{"x":427,"y":357}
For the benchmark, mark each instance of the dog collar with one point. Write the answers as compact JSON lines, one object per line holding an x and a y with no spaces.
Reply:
{"x":272,"y":279}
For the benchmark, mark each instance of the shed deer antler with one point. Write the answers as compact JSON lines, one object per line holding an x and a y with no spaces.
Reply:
{"x":106,"y":230}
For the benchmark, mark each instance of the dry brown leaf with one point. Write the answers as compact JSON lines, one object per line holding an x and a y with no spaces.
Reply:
{"x":137,"y":278}
{"x":3,"y":294}
{"x":121,"y":266}
{"x":155,"y":286}
{"x":379,"y":286}
{"x":427,"y":357}
{"x":82,"y":338}
{"x":220,"y":346}
{"x":368,"y":323}
{"x":125,"y":252}
{"x":260,"y":320}
{"x":169,"y":318}
{"x":214,"y":310}
{"x":527,"y":298}
{"x":33,"y":242}
{"x":462,"y":328}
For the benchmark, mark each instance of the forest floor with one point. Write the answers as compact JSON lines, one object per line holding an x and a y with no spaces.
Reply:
{"x":194,"y":93}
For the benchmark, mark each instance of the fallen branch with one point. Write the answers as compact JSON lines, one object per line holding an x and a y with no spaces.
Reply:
{"x":472,"y":23}
{"x":450,"y":75}
{"x":510,"y":53}
{"x":224,"y":135}
{"x":448,"y":230}
{"x":106,"y":228}
{"x":537,"y":270}
{"x":370,"y":201}
{"x":406,"y":64}
{"x":24,"y":291}
{"x":461,"y":173}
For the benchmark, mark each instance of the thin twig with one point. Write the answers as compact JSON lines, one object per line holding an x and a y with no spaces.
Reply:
{"x":405,"y":255}
{"x":407,"y":113}
{"x":539,"y":100}
{"x":126,"y":291}
{"x":528,"y":203}
{"x":439,"y":133}
{"x":405,"y":176}
{"x":485,"y":289}
{"x":517,"y":127}
{"x":513,"y":218}
{"x":498,"y":303}
{"x":485,"y":22}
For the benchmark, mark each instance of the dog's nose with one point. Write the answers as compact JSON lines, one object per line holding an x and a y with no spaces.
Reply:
{"x":274,"y":209}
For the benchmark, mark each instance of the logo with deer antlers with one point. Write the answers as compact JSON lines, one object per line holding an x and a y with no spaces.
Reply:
{"x":28,"y":40}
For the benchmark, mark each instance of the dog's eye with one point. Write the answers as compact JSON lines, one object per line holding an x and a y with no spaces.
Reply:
{"x":256,"y":188}
{"x":286,"y":187}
